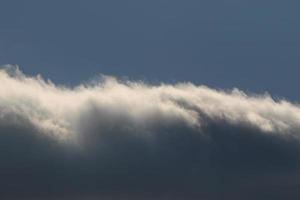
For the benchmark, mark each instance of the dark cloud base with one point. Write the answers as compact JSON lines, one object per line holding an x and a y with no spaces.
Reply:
{"x":220,"y":162}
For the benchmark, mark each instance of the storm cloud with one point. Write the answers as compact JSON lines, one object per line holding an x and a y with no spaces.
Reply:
{"x":121,"y":139}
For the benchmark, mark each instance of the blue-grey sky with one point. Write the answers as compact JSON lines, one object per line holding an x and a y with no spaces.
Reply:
{"x":252,"y":45}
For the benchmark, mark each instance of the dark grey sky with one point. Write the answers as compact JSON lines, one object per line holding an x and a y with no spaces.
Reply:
{"x":252,"y":45}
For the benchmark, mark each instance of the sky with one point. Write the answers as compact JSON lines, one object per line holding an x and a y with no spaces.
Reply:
{"x":149,"y":100}
{"x":252,"y":45}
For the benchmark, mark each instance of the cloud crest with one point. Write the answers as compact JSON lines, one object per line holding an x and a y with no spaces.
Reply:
{"x":56,"y":110}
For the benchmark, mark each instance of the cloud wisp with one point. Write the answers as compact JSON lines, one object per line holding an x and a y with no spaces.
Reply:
{"x":57,"y":110}
{"x":128,"y":139}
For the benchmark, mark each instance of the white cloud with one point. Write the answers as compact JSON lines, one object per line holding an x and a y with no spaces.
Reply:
{"x":134,"y":106}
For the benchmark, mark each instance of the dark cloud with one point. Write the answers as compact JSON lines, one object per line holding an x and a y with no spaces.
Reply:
{"x":132,"y":141}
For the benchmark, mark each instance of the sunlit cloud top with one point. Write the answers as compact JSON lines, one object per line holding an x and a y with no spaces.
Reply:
{"x":134,"y":105}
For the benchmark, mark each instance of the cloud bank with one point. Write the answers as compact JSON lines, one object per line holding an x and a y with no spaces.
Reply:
{"x":120,"y":139}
